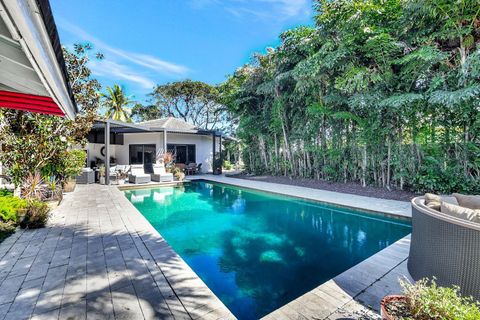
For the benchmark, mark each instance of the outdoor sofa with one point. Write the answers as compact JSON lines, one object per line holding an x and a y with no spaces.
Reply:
{"x":160,"y":175}
{"x":446,"y":247}
{"x":137,"y":174}
{"x":86,"y":177}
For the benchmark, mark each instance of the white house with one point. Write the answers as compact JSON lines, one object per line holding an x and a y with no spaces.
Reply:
{"x":139,"y":143}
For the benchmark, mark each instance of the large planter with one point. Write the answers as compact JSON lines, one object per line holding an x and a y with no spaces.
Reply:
{"x":180,"y":176}
{"x":387,"y":300}
{"x":69,"y":185}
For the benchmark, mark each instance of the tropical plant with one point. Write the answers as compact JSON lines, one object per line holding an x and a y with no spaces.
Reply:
{"x":382,"y":93}
{"x":33,"y":187}
{"x":426,"y":300}
{"x":116,"y":102}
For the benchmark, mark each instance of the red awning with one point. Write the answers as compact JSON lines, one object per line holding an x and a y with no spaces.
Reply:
{"x":29,"y":102}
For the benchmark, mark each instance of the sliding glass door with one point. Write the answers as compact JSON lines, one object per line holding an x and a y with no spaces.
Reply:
{"x":143,"y":154}
{"x":184,"y":153}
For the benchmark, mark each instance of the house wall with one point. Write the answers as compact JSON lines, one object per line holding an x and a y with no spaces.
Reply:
{"x":203,"y":146}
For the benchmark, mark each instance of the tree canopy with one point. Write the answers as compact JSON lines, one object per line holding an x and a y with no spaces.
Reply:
{"x":384,"y":93}
{"x":195,"y":102}
{"x":116,"y":103}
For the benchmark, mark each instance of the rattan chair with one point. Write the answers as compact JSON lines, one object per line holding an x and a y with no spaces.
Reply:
{"x":445,"y":247}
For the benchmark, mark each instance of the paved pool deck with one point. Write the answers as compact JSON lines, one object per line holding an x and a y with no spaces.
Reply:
{"x":99,"y":258}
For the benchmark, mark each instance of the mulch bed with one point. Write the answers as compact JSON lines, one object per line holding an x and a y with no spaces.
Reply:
{"x":351,"y":187}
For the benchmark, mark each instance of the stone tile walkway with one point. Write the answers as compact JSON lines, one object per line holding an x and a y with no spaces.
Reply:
{"x":99,"y":259}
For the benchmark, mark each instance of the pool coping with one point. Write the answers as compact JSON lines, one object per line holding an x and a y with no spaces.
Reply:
{"x":342,"y":293}
{"x":386,"y":207}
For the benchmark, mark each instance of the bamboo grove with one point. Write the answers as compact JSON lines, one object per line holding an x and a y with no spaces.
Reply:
{"x":379,"y":92}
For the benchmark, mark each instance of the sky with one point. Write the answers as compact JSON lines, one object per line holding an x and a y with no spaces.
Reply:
{"x":149,"y":42}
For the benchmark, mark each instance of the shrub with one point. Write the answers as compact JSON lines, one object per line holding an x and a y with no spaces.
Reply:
{"x":73,"y":163}
{"x":9,"y":207}
{"x":6,"y":228}
{"x":426,"y":300}
{"x":37,"y":215}
{"x":5,"y":192}
{"x":227,"y":165}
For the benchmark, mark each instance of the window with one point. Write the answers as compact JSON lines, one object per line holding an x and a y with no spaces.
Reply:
{"x":184,"y":153}
{"x":143,"y":154}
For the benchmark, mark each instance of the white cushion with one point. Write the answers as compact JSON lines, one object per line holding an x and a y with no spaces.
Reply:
{"x":137,"y":170}
{"x":159,"y":169}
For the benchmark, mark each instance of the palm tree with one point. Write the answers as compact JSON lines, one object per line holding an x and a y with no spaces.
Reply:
{"x":116,"y":101}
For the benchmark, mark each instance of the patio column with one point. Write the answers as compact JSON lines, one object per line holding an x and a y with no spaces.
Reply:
{"x":213,"y":153}
{"x":165,"y":141}
{"x":107,"y":152}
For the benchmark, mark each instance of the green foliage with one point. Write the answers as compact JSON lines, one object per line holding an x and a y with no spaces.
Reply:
{"x":142,"y":112}
{"x":6,"y":228}
{"x":73,"y":163}
{"x":37,"y":215}
{"x":383,"y":93}
{"x":227,"y":165}
{"x":9,"y":207}
{"x":5,"y":192}
{"x":33,"y":142}
{"x":116,"y":102}
{"x":195,"y":102}
{"x":427,"y":300}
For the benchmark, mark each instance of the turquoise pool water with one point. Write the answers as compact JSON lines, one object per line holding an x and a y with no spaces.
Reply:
{"x":257,"y":251}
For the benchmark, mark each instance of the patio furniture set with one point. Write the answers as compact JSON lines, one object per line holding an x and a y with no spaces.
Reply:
{"x":135,"y":173}
{"x":446,"y":241}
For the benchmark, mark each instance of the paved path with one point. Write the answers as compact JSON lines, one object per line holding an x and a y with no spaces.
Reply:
{"x":392,"y":207}
{"x":99,"y":259}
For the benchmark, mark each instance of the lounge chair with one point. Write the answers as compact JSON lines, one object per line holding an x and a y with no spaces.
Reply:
{"x":160,"y":175}
{"x":137,"y":174}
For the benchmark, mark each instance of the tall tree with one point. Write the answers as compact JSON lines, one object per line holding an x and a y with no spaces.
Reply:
{"x":116,"y":103}
{"x":141,"y":112}
{"x":193,"y":101}
{"x":385,"y":93}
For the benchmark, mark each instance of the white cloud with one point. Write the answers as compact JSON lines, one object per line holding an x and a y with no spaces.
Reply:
{"x":114,"y":70}
{"x":281,"y":9}
{"x":118,"y":62}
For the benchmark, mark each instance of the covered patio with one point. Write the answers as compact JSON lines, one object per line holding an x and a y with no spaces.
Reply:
{"x":110,"y":133}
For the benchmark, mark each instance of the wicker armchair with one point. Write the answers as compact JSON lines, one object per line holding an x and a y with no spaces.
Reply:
{"x":445,"y":247}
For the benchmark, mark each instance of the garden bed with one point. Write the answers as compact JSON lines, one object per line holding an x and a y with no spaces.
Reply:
{"x":350,"y":188}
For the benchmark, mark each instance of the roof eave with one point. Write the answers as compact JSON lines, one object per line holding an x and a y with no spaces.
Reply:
{"x":29,"y":29}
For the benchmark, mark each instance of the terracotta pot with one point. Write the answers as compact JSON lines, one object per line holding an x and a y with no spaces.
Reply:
{"x":387,"y":300}
{"x":69,"y":185}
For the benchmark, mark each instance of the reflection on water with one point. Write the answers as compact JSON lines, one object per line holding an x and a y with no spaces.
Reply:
{"x":258,"y":251}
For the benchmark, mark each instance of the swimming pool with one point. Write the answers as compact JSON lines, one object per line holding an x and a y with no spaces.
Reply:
{"x":258,"y":251}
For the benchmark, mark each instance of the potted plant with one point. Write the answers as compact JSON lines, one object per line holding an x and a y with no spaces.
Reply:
{"x":73,"y":163}
{"x":101,"y":173}
{"x":178,"y":173}
{"x":426,"y":300}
